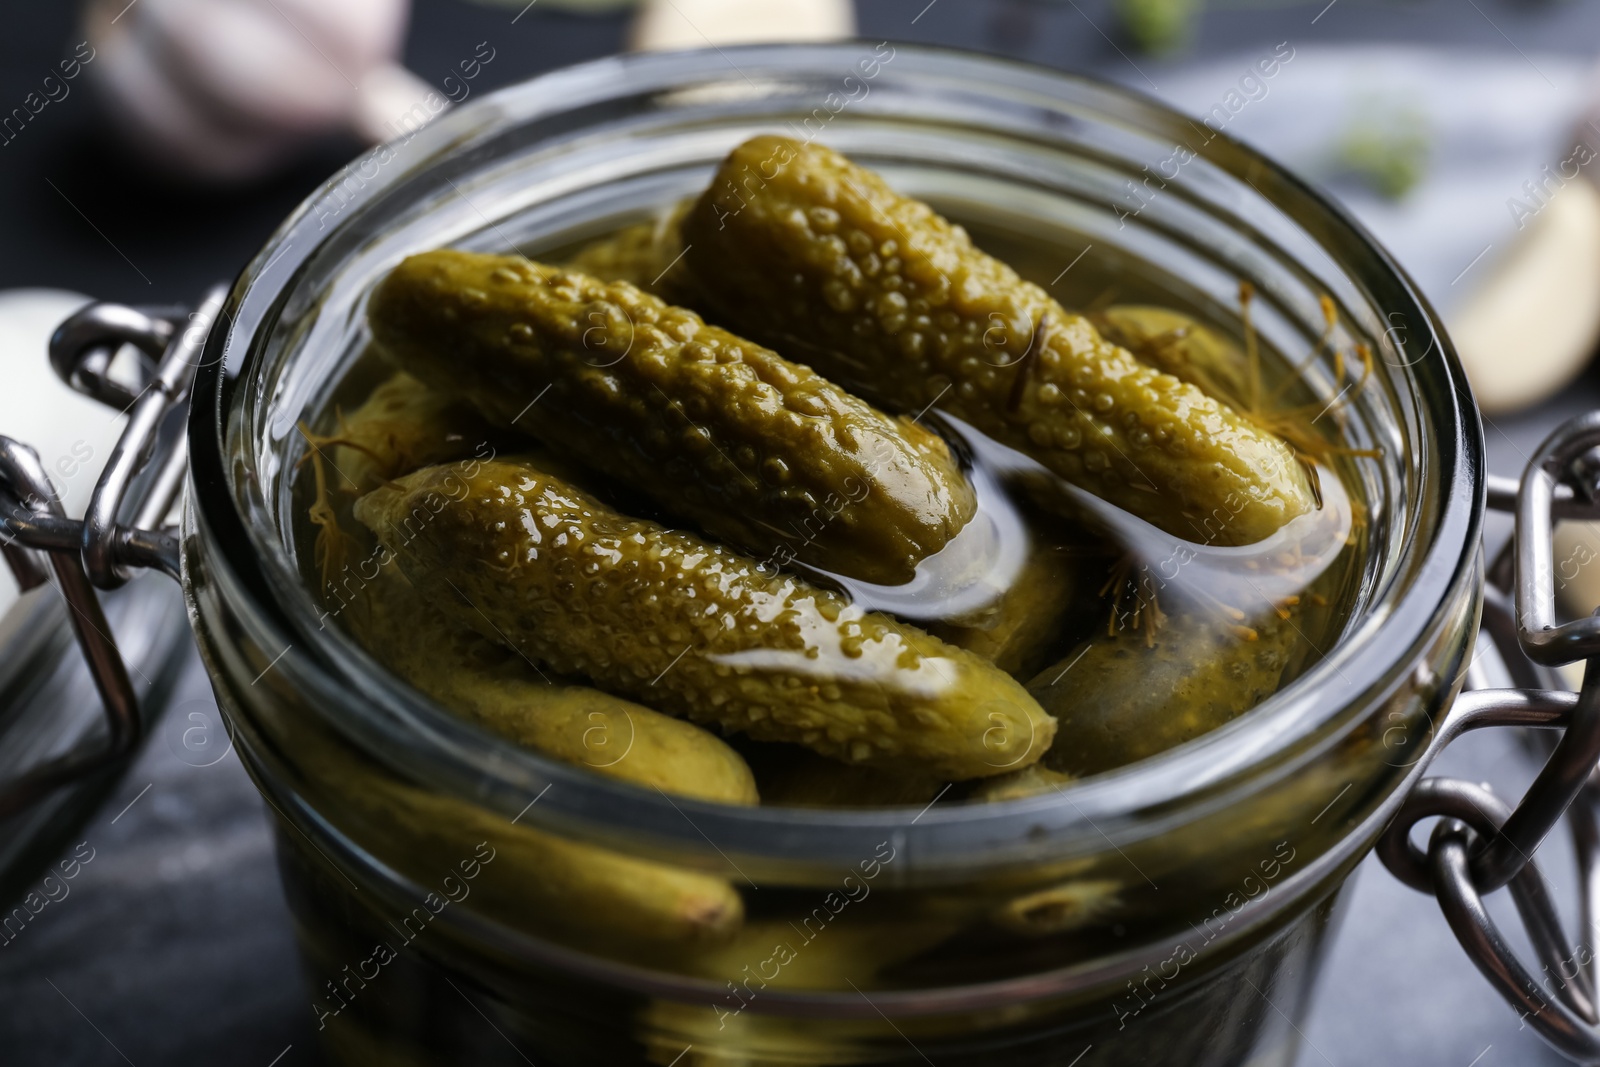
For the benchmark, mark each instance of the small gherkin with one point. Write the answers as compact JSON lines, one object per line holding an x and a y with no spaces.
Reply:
{"x":732,"y":437}
{"x":798,"y":247}
{"x":1034,"y":614}
{"x":1180,"y":345}
{"x":492,"y":686}
{"x":1123,"y":696}
{"x":534,"y":878}
{"x":1030,"y":781}
{"x":402,"y":425}
{"x":695,"y":629}
{"x":645,"y":255}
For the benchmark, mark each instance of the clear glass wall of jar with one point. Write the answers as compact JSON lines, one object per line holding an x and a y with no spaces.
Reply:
{"x":461,"y":900}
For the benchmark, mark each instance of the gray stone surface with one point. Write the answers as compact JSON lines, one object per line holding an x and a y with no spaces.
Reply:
{"x":173,"y":944}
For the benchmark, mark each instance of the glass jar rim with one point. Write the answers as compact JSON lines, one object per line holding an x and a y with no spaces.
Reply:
{"x":402,"y":728}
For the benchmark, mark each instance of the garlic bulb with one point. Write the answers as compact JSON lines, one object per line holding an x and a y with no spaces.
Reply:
{"x":226,"y":89}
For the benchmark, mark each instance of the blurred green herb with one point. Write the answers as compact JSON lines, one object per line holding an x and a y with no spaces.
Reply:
{"x":1386,"y":146}
{"x":1159,"y":25}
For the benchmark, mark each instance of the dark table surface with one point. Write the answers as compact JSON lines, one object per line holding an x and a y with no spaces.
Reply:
{"x":174,"y":945}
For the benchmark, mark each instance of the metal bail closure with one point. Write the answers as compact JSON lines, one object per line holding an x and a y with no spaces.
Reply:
{"x":139,"y":484}
{"x":1480,"y":844}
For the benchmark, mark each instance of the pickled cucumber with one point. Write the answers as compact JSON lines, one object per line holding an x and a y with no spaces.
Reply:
{"x":495,"y":688}
{"x":1056,"y":909}
{"x":796,"y":246}
{"x":574,"y":891}
{"x":564,"y":888}
{"x":749,"y":447}
{"x":849,"y":934}
{"x":1120,"y":698}
{"x":645,"y":255}
{"x":1043,"y":901}
{"x":693,"y":628}
{"x":402,"y":425}
{"x":1181,"y":346}
{"x":1030,"y":781}
{"x":831,"y":948}
{"x":1030,"y":618}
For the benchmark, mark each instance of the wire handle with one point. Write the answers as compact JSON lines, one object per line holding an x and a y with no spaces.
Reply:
{"x":143,"y":474}
{"x":1480,"y":844}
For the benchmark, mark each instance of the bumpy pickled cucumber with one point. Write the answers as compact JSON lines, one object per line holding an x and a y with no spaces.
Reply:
{"x":796,"y":246}
{"x":1040,"y":902}
{"x":566,"y":888}
{"x":1120,"y":699}
{"x":695,"y":629}
{"x":645,"y":255}
{"x":848,"y":935}
{"x":402,"y":425}
{"x":751,"y":448}
{"x":1056,"y":909}
{"x":1030,"y":781}
{"x":1018,"y":631}
{"x":492,"y":686}
{"x":831,"y":948}
{"x":575,"y":892}
{"x":1178,"y":345}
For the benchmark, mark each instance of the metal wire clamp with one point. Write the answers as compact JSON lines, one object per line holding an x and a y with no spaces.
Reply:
{"x":122,"y":529}
{"x":1480,"y":844}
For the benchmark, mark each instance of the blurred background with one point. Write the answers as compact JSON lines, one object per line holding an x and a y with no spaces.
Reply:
{"x":148,"y":148}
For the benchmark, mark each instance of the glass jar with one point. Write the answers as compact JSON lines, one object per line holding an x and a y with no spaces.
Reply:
{"x":459,"y":899}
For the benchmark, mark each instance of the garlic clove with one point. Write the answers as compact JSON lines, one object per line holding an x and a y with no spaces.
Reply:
{"x":1576,"y":547}
{"x":666,"y":25}
{"x":1533,"y":323}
